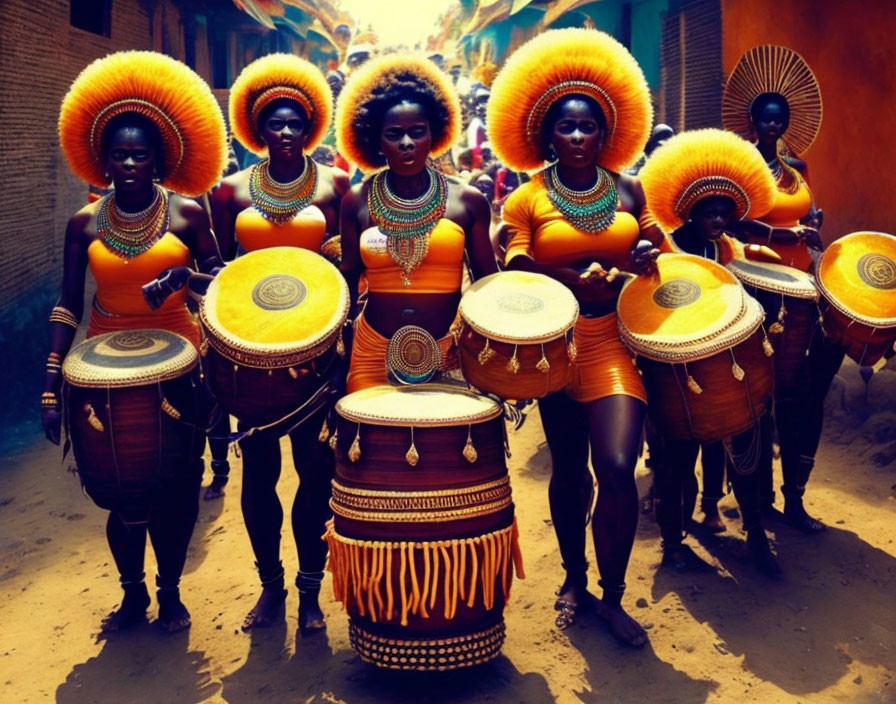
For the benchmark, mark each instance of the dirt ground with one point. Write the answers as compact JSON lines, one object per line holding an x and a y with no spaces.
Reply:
{"x":825,"y":632}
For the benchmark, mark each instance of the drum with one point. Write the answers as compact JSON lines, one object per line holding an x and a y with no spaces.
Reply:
{"x":516,"y":340}
{"x":423,"y":542}
{"x":705,"y":360}
{"x":857,"y":279}
{"x":272,"y":322}
{"x":789,"y":297}
{"x":134,"y":413}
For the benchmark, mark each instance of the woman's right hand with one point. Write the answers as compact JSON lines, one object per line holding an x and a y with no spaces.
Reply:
{"x":51,"y":420}
{"x":169,"y":281}
{"x":598,"y":285}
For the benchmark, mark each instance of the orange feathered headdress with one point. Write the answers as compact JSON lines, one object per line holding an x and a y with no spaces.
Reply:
{"x":371,"y":82}
{"x":702,"y":163}
{"x":270,"y":78}
{"x":164,"y":91}
{"x":563,"y":62}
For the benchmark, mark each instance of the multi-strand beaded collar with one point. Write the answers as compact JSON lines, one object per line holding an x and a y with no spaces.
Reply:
{"x":131,"y":234}
{"x":407,"y":224}
{"x":787,"y":178}
{"x":591,"y":211}
{"x":279,"y":202}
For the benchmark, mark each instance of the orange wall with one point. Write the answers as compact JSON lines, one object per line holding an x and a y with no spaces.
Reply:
{"x":851,"y":47}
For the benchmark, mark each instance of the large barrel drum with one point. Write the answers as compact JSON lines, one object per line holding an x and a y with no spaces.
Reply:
{"x":517,"y":335}
{"x":135,"y":412}
{"x":272,"y":322}
{"x":857,"y":279}
{"x":423,"y":542}
{"x":705,"y":359}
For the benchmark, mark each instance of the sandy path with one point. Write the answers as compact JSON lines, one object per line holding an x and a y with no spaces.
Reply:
{"x":826,"y":632}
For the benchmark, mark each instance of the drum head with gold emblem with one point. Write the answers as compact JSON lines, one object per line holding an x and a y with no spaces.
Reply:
{"x":777,"y":278}
{"x":690,"y":309}
{"x":129,"y":358}
{"x":857,"y":276}
{"x":519,"y":307}
{"x":275,"y":307}
{"x":420,"y":406}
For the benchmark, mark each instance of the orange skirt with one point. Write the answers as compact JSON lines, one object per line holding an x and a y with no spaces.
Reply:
{"x":178,"y":320}
{"x":603,"y":366}
{"x":368,"y":363}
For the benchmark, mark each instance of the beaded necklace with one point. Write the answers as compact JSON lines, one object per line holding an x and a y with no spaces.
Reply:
{"x":279,"y":202}
{"x":591,"y":211}
{"x":786,"y":177}
{"x":130,"y":234}
{"x":407,"y":224}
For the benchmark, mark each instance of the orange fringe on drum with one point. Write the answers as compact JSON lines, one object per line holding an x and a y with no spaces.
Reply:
{"x":178,"y":321}
{"x":366,"y":573}
{"x":368,"y":363}
{"x":603,"y":366}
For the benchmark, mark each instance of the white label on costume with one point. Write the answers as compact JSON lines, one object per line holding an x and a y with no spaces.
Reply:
{"x":374,"y":241}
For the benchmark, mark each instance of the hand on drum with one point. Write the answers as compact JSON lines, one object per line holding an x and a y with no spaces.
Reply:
{"x":169,"y":281}
{"x":51,"y":420}
{"x":644,"y":256}
{"x":598,"y":285}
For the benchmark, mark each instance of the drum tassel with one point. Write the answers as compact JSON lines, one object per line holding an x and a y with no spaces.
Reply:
{"x":767,"y":344}
{"x":412,"y":456}
{"x":93,"y":419}
{"x":544,"y":366}
{"x":692,"y":382}
{"x":360,"y":567}
{"x":354,"y":452}
{"x":333,"y":439}
{"x":324,"y":431}
{"x":513,"y":364}
{"x":469,"y":452}
{"x":737,"y":371}
{"x":571,"y":350}
{"x":485,"y":354}
{"x":340,"y":344}
{"x":169,"y":409}
{"x":777,"y":327}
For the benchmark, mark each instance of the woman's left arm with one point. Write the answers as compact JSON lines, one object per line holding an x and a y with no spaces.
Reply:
{"x":478,"y":244}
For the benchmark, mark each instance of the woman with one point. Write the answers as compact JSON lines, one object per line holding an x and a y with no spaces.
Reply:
{"x":577,"y":99}
{"x":773,"y":98}
{"x":280,"y":108}
{"x":406,"y":228}
{"x":133,"y":118}
{"x":698,"y":186}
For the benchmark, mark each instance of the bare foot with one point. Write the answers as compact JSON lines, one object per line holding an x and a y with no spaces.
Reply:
{"x":173,"y":615}
{"x":131,"y":612}
{"x":626,"y":630}
{"x":266,"y":609}
{"x":311,"y":618}
{"x":572,"y":600}
{"x":215,"y":490}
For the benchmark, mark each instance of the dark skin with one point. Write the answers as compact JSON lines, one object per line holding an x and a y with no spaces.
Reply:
{"x":770,"y":123}
{"x":709,"y":219}
{"x":611,"y":427}
{"x":285,"y":131}
{"x":406,"y":140}
{"x":131,"y":165}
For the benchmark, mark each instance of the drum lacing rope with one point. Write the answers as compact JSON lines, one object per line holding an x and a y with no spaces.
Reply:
{"x":745,"y":462}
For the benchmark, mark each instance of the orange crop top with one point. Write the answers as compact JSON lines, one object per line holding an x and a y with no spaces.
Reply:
{"x":306,"y":230}
{"x":119,"y":281}
{"x":441,"y":271}
{"x":538,"y":230}
{"x":786,"y":212}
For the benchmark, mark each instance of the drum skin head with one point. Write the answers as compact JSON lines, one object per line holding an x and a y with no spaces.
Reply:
{"x":275,"y":301}
{"x":419,"y":406}
{"x":777,"y":278}
{"x":518,"y":306}
{"x":857,"y":276}
{"x":690,"y":309}
{"x":129,"y":358}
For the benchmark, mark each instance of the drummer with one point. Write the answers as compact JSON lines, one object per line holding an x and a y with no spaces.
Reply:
{"x":698,"y":186}
{"x":576,"y":221}
{"x":280,"y":108}
{"x":407,"y":227}
{"x":773,"y":97}
{"x":125,"y":121}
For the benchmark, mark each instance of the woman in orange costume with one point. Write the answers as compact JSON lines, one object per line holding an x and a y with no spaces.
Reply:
{"x":407,"y":227}
{"x":578,"y":100}
{"x":699,"y":185}
{"x":131,"y":118}
{"x":772,"y":97}
{"x":281,"y":108}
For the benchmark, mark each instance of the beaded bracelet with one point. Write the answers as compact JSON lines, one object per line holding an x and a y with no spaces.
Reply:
{"x":64,"y":316}
{"x":48,"y":399}
{"x":54,"y":363}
